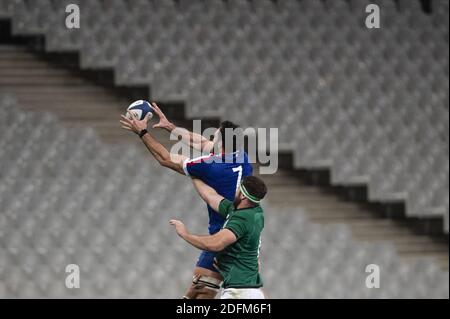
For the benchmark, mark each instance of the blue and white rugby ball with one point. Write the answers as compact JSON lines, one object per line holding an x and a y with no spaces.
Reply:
{"x":139,"y":110}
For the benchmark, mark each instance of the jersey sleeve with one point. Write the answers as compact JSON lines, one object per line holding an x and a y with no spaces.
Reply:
{"x":225,"y":207}
{"x":196,"y":167}
{"x":237,"y":225}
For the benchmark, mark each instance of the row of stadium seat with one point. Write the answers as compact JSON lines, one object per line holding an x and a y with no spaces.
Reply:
{"x":372,"y":105}
{"x":68,"y":198}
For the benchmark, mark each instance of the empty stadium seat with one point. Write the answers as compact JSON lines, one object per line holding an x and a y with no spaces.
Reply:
{"x":76,"y":206}
{"x":370,"y":105}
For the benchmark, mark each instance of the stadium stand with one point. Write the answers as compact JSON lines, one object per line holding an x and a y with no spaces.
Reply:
{"x":55,"y":212}
{"x":371,"y":106}
{"x":362,"y":120}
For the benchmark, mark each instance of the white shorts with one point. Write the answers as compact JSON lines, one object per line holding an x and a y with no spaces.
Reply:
{"x":241,"y":293}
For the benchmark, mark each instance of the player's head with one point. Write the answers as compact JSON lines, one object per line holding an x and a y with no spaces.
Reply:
{"x":252,"y":190}
{"x":226,"y":130}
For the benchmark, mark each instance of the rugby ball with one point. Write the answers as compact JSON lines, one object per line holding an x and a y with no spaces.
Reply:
{"x":139,"y":110}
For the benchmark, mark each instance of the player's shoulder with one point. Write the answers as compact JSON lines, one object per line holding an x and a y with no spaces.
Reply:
{"x":254,"y":214}
{"x":198,"y":166}
{"x":204,"y":158}
{"x":240,"y":157}
{"x":246,"y":159}
{"x":250,"y":212}
{"x":242,"y":153}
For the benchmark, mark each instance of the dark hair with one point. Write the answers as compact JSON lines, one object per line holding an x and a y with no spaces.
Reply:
{"x":236,"y":138}
{"x":255,"y":186}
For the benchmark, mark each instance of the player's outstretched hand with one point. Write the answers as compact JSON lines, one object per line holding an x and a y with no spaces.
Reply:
{"x":179,"y":227}
{"x":163,"y":123}
{"x":133,"y":124}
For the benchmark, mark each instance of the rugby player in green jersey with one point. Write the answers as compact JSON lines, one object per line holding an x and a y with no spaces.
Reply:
{"x":238,"y":242}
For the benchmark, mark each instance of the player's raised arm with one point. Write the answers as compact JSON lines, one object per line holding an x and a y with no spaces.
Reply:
{"x":159,"y":152}
{"x":216,"y":242}
{"x":208,"y":194}
{"x":192,"y":139}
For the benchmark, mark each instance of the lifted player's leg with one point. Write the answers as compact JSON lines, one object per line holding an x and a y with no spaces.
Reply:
{"x":206,"y":281}
{"x":205,"y":284}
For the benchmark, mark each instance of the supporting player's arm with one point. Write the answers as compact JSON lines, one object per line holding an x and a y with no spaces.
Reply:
{"x":216,"y":242}
{"x":159,"y":152}
{"x":207,"y":193}
{"x":192,"y":139}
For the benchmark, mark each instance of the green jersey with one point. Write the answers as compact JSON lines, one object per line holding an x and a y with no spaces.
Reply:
{"x":238,"y":263}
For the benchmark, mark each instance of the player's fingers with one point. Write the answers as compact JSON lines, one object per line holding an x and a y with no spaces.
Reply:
{"x":157,"y":112}
{"x":156,"y":108}
{"x":126,"y":128}
{"x":132,"y":116}
{"x":126,"y":119}
{"x":125,"y":123}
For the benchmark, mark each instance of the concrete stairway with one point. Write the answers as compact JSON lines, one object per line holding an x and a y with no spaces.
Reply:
{"x":62,"y":89}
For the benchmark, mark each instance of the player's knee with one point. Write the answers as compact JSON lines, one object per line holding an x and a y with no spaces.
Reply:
{"x":206,"y":286}
{"x":203,"y":287}
{"x":200,"y":292}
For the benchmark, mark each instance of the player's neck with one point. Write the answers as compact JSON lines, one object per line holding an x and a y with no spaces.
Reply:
{"x":244,"y":205}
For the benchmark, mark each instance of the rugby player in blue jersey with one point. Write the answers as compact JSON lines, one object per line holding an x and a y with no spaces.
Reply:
{"x":223,"y":172}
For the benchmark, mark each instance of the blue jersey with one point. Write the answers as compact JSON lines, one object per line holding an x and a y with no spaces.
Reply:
{"x":223,"y":173}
